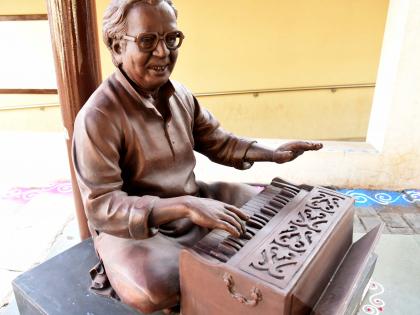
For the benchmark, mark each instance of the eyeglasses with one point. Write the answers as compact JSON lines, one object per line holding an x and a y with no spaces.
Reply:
{"x":148,"y":41}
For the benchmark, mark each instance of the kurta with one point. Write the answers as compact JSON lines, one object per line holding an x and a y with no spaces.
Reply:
{"x":126,"y":155}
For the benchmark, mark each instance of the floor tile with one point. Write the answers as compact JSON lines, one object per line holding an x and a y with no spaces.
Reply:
{"x":398,"y":271}
{"x":29,"y":234}
{"x":6,"y":278}
{"x":413,"y":219}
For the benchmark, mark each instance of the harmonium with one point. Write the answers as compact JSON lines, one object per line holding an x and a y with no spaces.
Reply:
{"x":296,"y":257}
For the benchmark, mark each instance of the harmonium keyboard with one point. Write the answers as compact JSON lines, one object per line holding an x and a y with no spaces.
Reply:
{"x":296,"y":257}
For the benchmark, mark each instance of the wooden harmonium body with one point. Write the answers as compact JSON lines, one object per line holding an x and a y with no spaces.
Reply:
{"x":297,"y":257}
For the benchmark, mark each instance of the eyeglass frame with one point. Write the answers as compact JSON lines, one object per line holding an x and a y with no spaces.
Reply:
{"x":157,"y":34}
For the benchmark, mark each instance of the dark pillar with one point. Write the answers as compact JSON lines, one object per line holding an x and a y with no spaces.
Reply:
{"x":76,"y":52}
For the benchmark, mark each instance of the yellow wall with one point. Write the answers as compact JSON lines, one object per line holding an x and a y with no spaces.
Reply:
{"x":42,"y":119}
{"x":23,"y":7}
{"x":16,"y":116}
{"x":241,"y":45}
{"x":318,"y":115}
{"x":274,"y":44}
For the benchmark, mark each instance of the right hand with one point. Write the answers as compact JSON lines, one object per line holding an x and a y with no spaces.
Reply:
{"x":291,"y":150}
{"x":215,"y":214}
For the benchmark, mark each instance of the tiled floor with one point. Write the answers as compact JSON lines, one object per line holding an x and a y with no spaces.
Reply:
{"x":400,"y":211}
{"x":32,"y":232}
{"x":33,"y":220}
{"x":395,"y":286}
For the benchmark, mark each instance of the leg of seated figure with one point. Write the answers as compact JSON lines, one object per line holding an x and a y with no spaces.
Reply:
{"x":144,"y":273}
{"x":236,"y":194}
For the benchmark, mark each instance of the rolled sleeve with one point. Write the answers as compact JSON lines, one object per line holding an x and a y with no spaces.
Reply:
{"x":138,"y":224}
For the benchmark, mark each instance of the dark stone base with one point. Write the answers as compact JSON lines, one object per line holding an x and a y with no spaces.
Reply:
{"x":60,"y":286}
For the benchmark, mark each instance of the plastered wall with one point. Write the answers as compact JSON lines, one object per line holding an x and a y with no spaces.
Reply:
{"x":22,"y":7}
{"x":389,"y":159}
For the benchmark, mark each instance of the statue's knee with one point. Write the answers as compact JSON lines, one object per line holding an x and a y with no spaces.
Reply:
{"x":144,"y":299}
{"x":236,"y":194}
{"x":144,"y":274}
{"x":140,"y":302}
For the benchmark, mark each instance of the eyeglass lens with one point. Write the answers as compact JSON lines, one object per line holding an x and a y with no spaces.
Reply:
{"x":150,"y":41}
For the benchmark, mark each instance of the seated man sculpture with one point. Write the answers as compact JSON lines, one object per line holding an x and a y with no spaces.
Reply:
{"x":133,"y":152}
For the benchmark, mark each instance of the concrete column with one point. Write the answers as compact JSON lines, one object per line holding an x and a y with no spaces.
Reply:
{"x":394,"y":127}
{"x":386,"y":81}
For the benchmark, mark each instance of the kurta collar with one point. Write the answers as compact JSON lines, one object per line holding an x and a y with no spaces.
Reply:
{"x":166,"y":91}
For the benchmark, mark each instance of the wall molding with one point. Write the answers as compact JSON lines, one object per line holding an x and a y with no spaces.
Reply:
{"x":28,"y":91}
{"x":256,"y":92}
{"x":24,"y":17}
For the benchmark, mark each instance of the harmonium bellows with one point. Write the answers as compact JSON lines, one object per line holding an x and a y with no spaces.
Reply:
{"x":296,"y":257}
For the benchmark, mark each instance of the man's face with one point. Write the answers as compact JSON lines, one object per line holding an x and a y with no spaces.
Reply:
{"x":149,"y":70}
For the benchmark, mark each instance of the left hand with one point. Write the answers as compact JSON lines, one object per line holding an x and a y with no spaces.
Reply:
{"x":291,"y":150}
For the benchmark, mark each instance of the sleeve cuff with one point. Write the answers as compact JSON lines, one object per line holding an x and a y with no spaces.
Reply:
{"x":240,"y":153}
{"x":138,"y":224}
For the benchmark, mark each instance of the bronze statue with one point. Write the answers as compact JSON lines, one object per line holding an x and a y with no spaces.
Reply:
{"x":133,"y":152}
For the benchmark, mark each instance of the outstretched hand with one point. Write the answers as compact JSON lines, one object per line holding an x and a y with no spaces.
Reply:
{"x":291,"y":150}
{"x":215,"y":214}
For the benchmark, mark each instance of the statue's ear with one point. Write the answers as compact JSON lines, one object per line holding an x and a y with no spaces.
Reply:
{"x":117,"y":50}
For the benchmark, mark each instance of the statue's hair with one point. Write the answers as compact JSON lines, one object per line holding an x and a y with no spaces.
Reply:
{"x":114,"y":24}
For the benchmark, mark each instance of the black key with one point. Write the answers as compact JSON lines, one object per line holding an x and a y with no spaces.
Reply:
{"x":250,"y":231}
{"x":254,"y":223}
{"x":281,"y":199}
{"x":287,"y":194}
{"x":228,"y":242}
{"x":239,"y":241}
{"x":246,"y":236}
{"x":262,"y":217}
{"x":267,"y":206}
{"x":257,"y":219}
{"x":276,"y":204}
{"x":291,"y":190}
{"x":282,"y":185}
{"x":227,"y":250}
{"x":219,"y":256}
{"x":268,"y":211}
